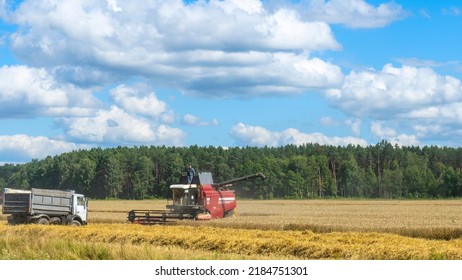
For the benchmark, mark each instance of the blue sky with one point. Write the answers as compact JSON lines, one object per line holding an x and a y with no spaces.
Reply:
{"x":77,"y":74}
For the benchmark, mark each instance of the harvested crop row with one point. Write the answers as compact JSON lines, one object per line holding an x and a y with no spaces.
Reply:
{"x":264,"y":243}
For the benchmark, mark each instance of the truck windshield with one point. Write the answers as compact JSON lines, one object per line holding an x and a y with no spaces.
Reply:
{"x":80,"y":201}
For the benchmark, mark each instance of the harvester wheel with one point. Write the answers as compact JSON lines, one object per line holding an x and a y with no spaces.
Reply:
{"x":230,"y":213}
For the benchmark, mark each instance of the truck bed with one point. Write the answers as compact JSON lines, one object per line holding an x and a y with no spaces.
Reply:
{"x":16,"y":202}
{"x":37,"y":201}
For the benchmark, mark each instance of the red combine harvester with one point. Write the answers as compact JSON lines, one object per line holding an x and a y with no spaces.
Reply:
{"x":201,"y":200}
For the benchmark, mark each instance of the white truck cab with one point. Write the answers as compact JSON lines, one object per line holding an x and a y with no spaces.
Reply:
{"x":80,"y":207}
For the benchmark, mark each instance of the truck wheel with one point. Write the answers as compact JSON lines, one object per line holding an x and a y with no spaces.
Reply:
{"x":43,"y":221}
{"x":55,"y":221}
{"x":75,"y":223}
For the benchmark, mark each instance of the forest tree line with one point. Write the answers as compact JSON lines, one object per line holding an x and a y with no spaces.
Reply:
{"x":307,"y":171}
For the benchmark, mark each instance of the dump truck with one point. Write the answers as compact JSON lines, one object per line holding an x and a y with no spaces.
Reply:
{"x":202,"y":199}
{"x":45,"y":206}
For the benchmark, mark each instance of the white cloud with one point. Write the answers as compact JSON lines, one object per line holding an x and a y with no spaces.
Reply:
{"x":2,"y":8}
{"x":260,"y":136}
{"x":194,"y":47}
{"x":293,"y":136}
{"x":24,"y":147}
{"x":196,"y":121}
{"x":355,"y":126}
{"x":285,"y":30}
{"x":437,"y":122}
{"x":112,"y":4}
{"x":135,"y":100}
{"x":254,"y":135}
{"x":392,"y":136}
{"x":353,"y":13}
{"x":109,"y":126}
{"x":169,"y":136}
{"x":26,"y":91}
{"x":383,"y":132}
{"x":138,"y":116}
{"x":280,"y":74}
{"x":394,"y":91}
{"x":444,"y":114}
{"x":115,"y":126}
{"x":248,"y":6}
{"x":405,"y":140}
{"x":411,"y":99}
{"x":190,"y":119}
{"x":328,"y":121}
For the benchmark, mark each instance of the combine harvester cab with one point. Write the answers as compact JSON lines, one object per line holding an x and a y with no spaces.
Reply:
{"x":200,"y":200}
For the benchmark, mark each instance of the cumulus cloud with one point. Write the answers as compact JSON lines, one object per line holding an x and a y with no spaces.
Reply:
{"x":355,"y":126}
{"x":26,"y":92}
{"x":109,"y":126}
{"x":24,"y":147}
{"x":392,"y":136}
{"x":115,"y":126}
{"x":404,"y":140}
{"x":260,"y":136}
{"x":394,"y":91}
{"x":415,"y":99}
{"x":138,"y":116}
{"x":353,"y":13}
{"x":193,"y":120}
{"x":383,"y":132}
{"x":450,"y":113}
{"x":442,"y":122}
{"x":135,"y":100}
{"x":283,"y":74}
{"x":175,"y":44}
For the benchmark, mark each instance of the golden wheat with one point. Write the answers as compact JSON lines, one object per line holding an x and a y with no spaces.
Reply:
{"x":232,"y":242}
{"x":435,"y":219}
{"x":439,"y":219}
{"x":15,"y":246}
{"x":311,"y":229}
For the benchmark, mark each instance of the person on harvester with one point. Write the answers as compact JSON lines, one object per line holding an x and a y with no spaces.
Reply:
{"x":191,"y":173}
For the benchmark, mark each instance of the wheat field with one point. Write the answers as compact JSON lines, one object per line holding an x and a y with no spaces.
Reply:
{"x":434,"y":219}
{"x":274,"y":229}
